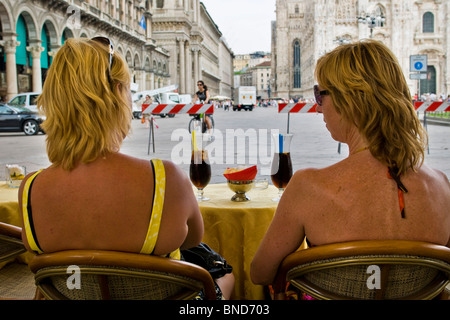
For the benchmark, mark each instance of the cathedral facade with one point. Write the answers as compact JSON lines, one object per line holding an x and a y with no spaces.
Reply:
{"x":305,"y":30}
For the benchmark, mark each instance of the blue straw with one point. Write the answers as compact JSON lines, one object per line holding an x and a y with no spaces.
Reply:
{"x":281,"y":143}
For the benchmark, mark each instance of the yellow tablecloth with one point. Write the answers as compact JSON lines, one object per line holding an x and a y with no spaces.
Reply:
{"x":9,"y":205}
{"x":9,"y":213}
{"x":235,"y":230}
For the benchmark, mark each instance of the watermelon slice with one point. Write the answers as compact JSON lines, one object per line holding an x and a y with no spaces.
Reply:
{"x":241,"y":175}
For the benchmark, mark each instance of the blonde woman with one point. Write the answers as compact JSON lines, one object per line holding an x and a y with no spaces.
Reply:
{"x":93,"y":196}
{"x":382,"y":190}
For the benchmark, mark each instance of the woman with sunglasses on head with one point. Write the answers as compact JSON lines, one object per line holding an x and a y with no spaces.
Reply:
{"x":202,"y":96}
{"x":382,"y":190}
{"x":92,"y":196}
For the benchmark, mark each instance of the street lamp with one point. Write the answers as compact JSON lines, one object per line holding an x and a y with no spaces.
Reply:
{"x":372,"y":21}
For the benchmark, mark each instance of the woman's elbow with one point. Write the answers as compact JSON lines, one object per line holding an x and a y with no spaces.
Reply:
{"x":258,"y":276}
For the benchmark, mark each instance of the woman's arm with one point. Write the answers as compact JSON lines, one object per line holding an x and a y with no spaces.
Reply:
{"x":183,"y":212}
{"x":284,"y":236}
{"x":195,"y":98}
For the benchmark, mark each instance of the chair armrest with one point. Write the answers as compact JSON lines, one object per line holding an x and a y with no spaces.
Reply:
{"x":10,"y":230}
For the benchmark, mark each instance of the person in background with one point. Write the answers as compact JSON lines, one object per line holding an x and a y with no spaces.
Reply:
{"x":146,"y":117}
{"x":382,"y":190}
{"x":92,"y":196}
{"x":202,"y":95}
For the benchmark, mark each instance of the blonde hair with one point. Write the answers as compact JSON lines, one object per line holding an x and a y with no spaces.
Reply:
{"x":87,"y":107}
{"x":368,"y":88}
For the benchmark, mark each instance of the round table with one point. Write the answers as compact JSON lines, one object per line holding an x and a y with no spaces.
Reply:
{"x":235,"y":230}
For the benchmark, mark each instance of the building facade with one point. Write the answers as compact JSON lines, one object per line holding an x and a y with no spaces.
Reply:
{"x":195,"y":44}
{"x":32,"y":31}
{"x":305,"y":30}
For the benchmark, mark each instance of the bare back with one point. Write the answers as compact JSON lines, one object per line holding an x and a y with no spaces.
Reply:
{"x":107,"y":205}
{"x":361,"y":202}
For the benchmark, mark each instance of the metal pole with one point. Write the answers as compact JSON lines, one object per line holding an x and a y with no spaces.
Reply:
{"x":288,"y":122}
{"x":426,"y":129}
{"x":151,"y":136}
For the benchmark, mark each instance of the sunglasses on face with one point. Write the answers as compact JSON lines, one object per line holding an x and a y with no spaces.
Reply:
{"x":318,"y":94}
{"x":199,"y":85}
{"x":110,"y":46}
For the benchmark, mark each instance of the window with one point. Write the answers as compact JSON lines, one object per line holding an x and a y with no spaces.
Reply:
{"x":428,"y":22}
{"x":380,"y":13}
{"x":18,"y":101}
{"x":159,"y":4}
{"x":297,"y":70}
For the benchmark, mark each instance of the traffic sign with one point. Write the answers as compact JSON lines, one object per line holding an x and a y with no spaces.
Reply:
{"x":419,"y":63}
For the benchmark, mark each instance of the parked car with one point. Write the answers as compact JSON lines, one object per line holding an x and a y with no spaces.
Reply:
{"x":16,"y":119}
{"x":26,"y":99}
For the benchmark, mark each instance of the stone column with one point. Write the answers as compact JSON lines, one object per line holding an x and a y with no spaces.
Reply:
{"x":196,"y":76}
{"x":188,"y":82}
{"x":196,"y":10}
{"x":152,"y":81}
{"x":36,"y":68}
{"x":182,"y":66}
{"x":11,"y":70}
{"x":200,"y":75}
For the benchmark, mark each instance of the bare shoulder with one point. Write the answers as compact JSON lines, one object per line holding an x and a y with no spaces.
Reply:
{"x":175,"y":172}
{"x":434,"y":177}
{"x":306,"y":178}
{"x":303,"y":189}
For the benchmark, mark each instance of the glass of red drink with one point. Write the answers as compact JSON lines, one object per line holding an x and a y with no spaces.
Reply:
{"x":200,"y":171}
{"x":281,"y":170}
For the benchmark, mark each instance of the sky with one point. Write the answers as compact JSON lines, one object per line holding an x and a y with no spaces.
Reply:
{"x":245,"y":24}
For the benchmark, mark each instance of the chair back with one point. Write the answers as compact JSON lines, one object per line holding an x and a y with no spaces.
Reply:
{"x":11,"y":244}
{"x":105,"y":275}
{"x":368,"y":270}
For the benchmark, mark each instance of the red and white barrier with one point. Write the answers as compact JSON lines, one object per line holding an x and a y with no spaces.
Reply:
{"x":177,"y":108}
{"x":432,"y":106}
{"x":297,"y":107}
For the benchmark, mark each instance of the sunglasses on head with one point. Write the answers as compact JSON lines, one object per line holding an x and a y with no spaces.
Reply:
{"x":110,"y":46}
{"x":318,"y":94}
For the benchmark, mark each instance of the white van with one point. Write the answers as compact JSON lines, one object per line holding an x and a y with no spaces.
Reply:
{"x":185,"y":98}
{"x":160,"y":98}
{"x":26,"y":99}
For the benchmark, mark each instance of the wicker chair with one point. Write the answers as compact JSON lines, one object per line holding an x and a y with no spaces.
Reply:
{"x":114,"y":275}
{"x":11,"y":244}
{"x":367,"y":270}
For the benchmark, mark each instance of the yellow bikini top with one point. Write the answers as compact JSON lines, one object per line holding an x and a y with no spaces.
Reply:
{"x":155,"y":219}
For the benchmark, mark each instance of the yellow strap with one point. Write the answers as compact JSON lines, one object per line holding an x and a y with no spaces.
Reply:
{"x":30,"y":237}
{"x":158,"y":202}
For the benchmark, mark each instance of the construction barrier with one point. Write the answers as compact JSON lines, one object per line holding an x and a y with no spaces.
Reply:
{"x":297,"y":107}
{"x":432,"y":106}
{"x":155,"y":108}
{"x":178,"y":108}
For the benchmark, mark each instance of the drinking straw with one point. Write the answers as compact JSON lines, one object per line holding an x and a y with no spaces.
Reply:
{"x":281,"y":143}
{"x":194,"y":140}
